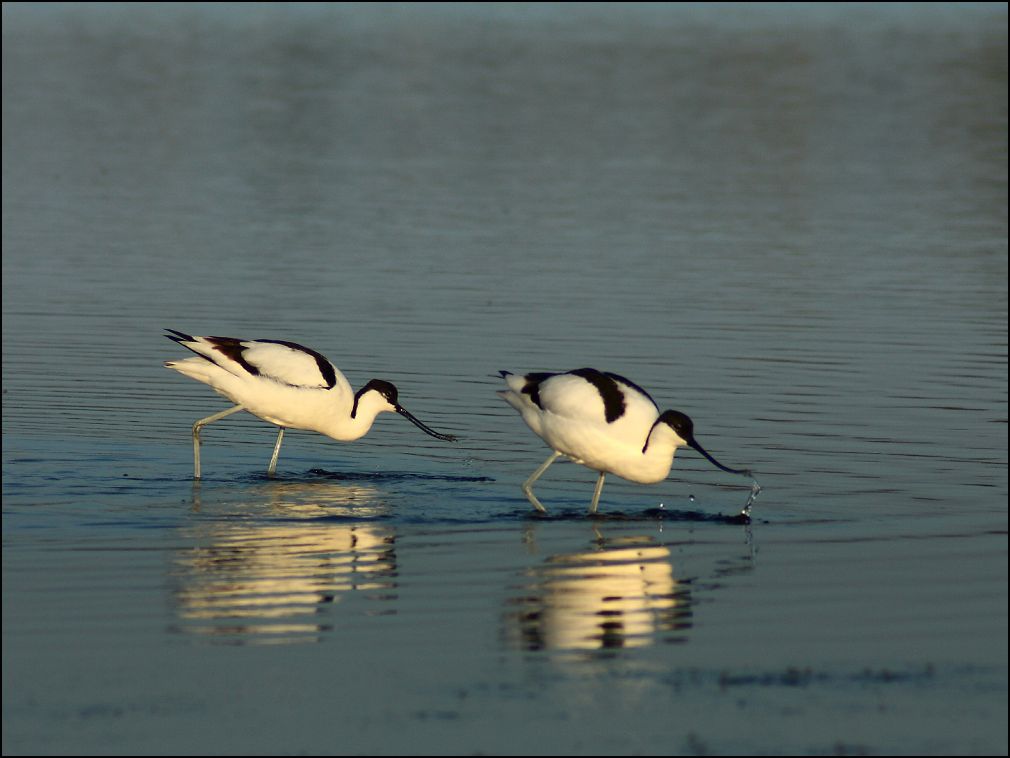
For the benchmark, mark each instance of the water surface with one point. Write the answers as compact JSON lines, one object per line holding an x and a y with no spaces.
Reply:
{"x":789,"y":223}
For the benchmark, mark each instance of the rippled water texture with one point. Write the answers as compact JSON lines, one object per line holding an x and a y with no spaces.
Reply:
{"x":788,"y":222}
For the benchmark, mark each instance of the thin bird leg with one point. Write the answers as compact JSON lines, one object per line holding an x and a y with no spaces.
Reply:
{"x":277,"y":449}
{"x":528,"y":484}
{"x":196,"y":434}
{"x":596,"y":494}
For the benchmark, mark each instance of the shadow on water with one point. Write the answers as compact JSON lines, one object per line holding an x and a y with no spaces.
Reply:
{"x":649,"y":514}
{"x":323,"y":475}
{"x":322,"y":494}
{"x":390,"y":476}
{"x":272,"y":499}
{"x":350,"y":496}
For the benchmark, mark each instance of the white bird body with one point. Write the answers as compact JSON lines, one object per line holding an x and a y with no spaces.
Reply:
{"x":602,"y":421}
{"x":571,"y":418}
{"x":285,"y":384}
{"x":287,"y":389}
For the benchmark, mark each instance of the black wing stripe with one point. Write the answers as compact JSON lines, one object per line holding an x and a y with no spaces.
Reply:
{"x":229,"y":346}
{"x":633,"y":386}
{"x":613,"y":399}
{"x":324,"y":366}
{"x":532,"y":386}
{"x":232,"y":348}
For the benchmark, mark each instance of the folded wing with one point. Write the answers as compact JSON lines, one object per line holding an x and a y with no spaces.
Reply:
{"x":278,"y":360}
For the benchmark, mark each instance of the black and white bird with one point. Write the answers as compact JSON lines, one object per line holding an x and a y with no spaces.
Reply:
{"x":285,"y":384}
{"x":604,"y":422}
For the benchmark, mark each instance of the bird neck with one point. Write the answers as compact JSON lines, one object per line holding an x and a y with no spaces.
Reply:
{"x":662,"y":442}
{"x":362,"y":414}
{"x":334,"y":418}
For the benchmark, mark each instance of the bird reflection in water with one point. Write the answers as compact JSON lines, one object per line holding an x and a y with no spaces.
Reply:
{"x":621,"y":594}
{"x":272,"y":581}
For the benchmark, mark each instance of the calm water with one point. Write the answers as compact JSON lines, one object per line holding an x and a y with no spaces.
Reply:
{"x":790,"y":223}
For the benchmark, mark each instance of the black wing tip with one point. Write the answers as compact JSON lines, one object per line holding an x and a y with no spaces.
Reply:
{"x":181,"y":338}
{"x":177,"y":336}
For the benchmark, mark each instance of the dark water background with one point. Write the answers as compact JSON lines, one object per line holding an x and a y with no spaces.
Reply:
{"x":789,"y":222}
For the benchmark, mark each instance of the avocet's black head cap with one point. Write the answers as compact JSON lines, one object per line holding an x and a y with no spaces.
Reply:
{"x":681,"y":423}
{"x":384,"y":388}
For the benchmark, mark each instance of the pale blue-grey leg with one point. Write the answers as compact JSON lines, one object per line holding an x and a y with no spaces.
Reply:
{"x":528,"y":484}
{"x":277,"y":449}
{"x":596,"y":494}
{"x":196,"y":434}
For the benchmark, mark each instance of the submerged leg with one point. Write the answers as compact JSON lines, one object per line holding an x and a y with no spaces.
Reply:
{"x":528,"y":484}
{"x":277,"y":449}
{"x":596,"y":494}
{"x":196,"y":434}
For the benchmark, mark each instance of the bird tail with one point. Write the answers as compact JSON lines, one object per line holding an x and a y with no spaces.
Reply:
{"x":195,"y":368}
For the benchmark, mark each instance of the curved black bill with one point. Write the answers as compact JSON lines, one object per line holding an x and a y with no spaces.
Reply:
{"x":423,"y":427}
{"x":743,"y":472}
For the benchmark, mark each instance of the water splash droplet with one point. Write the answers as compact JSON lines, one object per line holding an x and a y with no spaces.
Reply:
{"x":754,"y":492}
